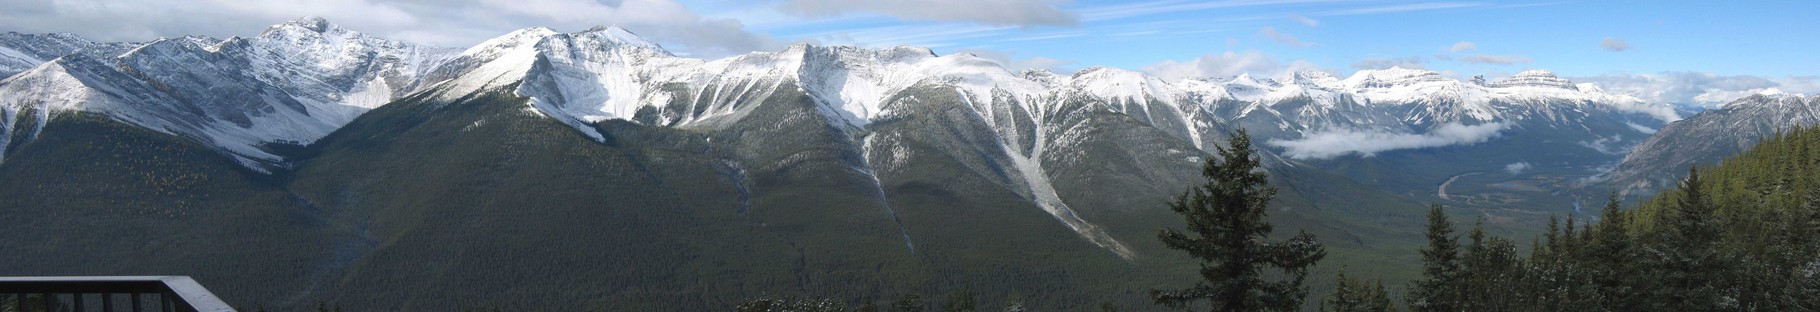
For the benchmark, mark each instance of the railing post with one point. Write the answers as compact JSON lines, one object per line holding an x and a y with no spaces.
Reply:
{"x":168,"y":306}
{"x":138,"y":302}
{"x":47,"y":301}
{"x":107,"y":302}
{"x":78,"y":302}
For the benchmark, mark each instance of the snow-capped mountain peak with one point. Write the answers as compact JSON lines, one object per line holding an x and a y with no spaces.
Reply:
{"x":293,"y":83}
{"x":19,"y":52}
{"x":1535,"y":78}
{"x":1391,"y":77}
{"x":614,"y":35}
{"x":309,"y":23}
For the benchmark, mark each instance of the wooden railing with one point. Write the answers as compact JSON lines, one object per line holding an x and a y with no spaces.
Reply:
{"x":109,"y":293}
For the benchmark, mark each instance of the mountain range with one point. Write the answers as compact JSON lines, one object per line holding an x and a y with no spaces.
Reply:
{"x":1707,"y":138}
{"x":316,"y":163}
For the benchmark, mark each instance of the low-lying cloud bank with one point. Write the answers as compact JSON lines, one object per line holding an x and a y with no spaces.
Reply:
{"x":1697,"y":89}
{"x":1323,"y":145}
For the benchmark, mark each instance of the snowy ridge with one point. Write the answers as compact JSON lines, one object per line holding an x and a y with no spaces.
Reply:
{"x":606,"y":73}
{"x":294,"y":83}
{"x":1708,"y":137}
{"x":298,"y":81}
{"x":20,"y":52}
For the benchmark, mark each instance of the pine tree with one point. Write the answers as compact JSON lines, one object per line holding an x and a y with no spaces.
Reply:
{"x":1437,"y":289}
{"x":1611,"y":256}
{"x":1354,"y":295}
{"x":911,"y":303}
{"x":962,"y":302}
{"x":1226,"y":216}
{"x":1490,"y":275}
{"x":1684,"y":254}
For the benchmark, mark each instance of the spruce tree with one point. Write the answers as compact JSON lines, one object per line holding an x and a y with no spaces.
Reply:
{"x":1684,"y":256}
{"x":1229,"y":236}
{"x":1611,"y":257}
{"x":1437,"y":289}
{"x":1490,"y":275}
{"x":1355,"y":295}
{"x":963,"y":302}
{"x":911,"y":303}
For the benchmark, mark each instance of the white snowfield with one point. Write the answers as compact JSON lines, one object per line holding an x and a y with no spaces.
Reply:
{"x":297,"y":82}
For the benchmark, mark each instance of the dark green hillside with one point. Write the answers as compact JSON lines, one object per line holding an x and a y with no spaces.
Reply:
{"x":1133,"y":174}
{"x":93,"y":196}
{"x":476,"y":202}
{"x":479,"y":202}
{"x":1743,"y":235}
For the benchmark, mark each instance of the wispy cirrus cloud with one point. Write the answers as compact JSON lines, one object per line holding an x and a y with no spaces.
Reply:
{"x":1614,"y":44}
{"x":992,"y":12}
{"x":1400,"y":8}
{"x":1285,"y":39}
{"x":1495,"y":59}
{"x":1155,"y":7}
{"x":1463,"y":46}
{"x":1304,"y":20}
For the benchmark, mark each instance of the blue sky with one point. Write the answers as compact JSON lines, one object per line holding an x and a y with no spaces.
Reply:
{"x":1696,"y":53}
{"x":1570,"y":37}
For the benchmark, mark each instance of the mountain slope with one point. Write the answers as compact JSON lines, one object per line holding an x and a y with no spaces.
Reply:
{"x":597,"y":168}
{"x":667,"y":219}
{"x":1709,"y":137}
{"x":293,"y":83}
{"x":20,"y":52}
{"x":94,"y":196}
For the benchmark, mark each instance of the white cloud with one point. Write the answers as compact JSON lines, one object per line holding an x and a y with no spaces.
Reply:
{"x":1330,"y":144}
{"x":1021,"y":64}
{"x":1614,"y":44}
{"x":1304,"y":20}
{"x":1609,"y":146}
{"x":1516,"y":168}
{"x":1694,"y":89}
{"x":1463,"y":46}
{"x":1414,"y":62}
{"x":1640,"y":128}
{"x":1495,"y":59}
{"x":1218,"y":65}
{"x":451,"y":23}
{"x":1286,"y":39}
{"x":994,"y":12}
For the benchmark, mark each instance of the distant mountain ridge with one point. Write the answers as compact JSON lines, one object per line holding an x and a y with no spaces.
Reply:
{"x":1706,"y":138}
{"x":343,"y":73}
{"x":293,"y":83}
{"x":298,"y":81}
{"x":397,"y":175}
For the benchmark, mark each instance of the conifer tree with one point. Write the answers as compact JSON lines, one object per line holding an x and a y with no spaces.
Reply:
{"x":1355,"y":295}
{"x":1490,"y":276}
{"x":1437,"y":289}
{"x":1611,"y":256}
{"x":1683,"y":254}
{"x":1229,"y":236}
